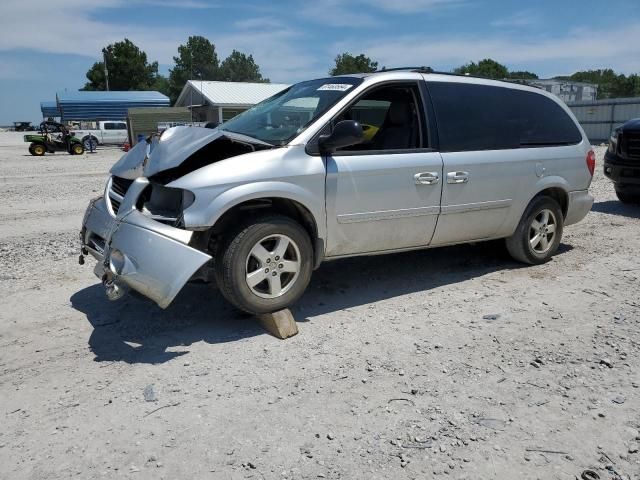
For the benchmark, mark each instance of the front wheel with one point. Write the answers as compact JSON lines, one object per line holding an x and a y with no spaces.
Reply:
{"x":76,"y":149}
{"x":539,"y":232}
{"x":264,"y":265}
{"x":37,"y":149}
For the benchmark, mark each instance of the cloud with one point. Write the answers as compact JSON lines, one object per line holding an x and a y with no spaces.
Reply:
{"x":335,"y":13}
{"x":576,"y":50}
{"x":357,"y":14}
{"x":85,"y":35}
{"x":258,"y":23}
{"x":279,"y":52}
{"x":183,"y":4}
{"x":414,"y":6}
{"x":524,"y":18}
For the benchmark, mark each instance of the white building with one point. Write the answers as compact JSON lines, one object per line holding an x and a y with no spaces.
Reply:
{"x":212,"y":101}
{"x":567,"y":90}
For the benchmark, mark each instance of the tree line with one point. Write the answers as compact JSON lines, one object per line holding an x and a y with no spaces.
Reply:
{"x":129,"y":69}
{"x":610,"y":84}
{"x":197,"y":59}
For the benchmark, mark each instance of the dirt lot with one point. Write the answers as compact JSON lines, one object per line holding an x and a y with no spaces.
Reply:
{"x":455,"y":362}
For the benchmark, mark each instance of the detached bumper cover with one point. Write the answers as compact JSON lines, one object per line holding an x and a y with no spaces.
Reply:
{"x":580,"y":203}
{"x":136,"y":252}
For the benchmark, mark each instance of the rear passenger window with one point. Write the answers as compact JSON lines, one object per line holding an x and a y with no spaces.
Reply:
{"x":480,"y":117}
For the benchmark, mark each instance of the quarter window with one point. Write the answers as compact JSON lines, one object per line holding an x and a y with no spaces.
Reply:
{"x":481,"y":117}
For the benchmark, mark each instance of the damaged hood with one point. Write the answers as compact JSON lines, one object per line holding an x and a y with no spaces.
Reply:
{"x":171,"y":149}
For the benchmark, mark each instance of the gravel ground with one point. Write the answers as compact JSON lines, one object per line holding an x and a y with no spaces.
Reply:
{"x":454,"y":361}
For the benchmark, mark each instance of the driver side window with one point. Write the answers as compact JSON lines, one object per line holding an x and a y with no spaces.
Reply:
{"x":391,"y":119}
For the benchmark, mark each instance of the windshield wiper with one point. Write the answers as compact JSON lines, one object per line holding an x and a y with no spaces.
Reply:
{"x":245,"y":136}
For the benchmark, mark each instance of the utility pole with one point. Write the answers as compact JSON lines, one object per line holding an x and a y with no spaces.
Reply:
{"x":191,"y":87}
{"x":106,"y":70}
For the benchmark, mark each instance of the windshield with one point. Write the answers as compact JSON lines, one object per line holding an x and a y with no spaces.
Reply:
{"x":282,"y":117}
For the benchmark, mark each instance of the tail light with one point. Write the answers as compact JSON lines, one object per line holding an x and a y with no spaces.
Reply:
{"x":591,"y":162}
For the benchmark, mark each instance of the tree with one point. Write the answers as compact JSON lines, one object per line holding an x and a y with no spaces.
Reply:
{"x":522,"y":75}
{"x":197,"y":59}
{"x":161,"y":85}
{"x":347,"y":63}
{"x":128,"y":69}
{"x":487,"y":68}
{"x":610,"y":84}
{"x":239,"y":67}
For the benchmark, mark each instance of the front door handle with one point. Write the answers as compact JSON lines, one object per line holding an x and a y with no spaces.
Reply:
{"x":426,"y":178}
{"x":457,"y":177}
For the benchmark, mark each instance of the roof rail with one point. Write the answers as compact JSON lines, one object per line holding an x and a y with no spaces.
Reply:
{"x":411,"y":69}
{"x":453,"y":74}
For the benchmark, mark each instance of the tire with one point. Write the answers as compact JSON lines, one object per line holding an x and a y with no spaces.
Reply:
{"x":37,"y":149}
{"x":87,"y":141}
{"x":534,"y":242}
{"x":626,"y":197}
{"x":239,"y":255}
{"x":76,"y":149}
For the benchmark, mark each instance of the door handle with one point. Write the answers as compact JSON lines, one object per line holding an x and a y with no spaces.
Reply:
{"x":426,"y":178}
{"x":457,"y":177}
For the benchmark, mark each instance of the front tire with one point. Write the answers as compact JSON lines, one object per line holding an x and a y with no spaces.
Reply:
{"x":539,"y":232}
{"x":264,"y":265}
{"x":76,"y":149}
{"x":37,"y":149}
{"x":626,"y":197}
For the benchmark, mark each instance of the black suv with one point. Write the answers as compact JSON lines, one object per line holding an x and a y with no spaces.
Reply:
{"x":622,"y":161}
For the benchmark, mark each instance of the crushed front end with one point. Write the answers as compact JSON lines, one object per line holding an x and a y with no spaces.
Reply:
{"x":134,"y":232}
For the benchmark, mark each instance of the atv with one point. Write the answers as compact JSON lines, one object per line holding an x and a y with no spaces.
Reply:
{"x":53,"y":137}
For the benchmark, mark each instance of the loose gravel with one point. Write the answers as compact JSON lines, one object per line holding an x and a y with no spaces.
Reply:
{"x":453,"y":362}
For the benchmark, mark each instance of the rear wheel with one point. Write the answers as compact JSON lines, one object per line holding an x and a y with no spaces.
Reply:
{"x":626,"y":197}
{"x":539,"y":232}
{"x":90,"y":143}
{"x":37,"y":149}
{"x":265,"y":265}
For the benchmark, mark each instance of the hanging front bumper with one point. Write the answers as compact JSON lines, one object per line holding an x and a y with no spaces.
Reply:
{"x":134,"y":251}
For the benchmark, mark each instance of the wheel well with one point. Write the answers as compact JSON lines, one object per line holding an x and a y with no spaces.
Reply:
{"x":282,"y":206}
{"x":559,"y":195}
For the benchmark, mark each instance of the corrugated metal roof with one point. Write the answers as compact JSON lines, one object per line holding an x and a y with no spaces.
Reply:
{"x":229,"y":93}
{"x":111,"y":105}
{"x":49,"y":109}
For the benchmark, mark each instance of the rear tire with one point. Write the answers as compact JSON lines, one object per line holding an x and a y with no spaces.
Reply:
{"x":630,"y":198}
{"x":539,"y":232}
{"x":264,"y":265}
{"x":88,"y":141}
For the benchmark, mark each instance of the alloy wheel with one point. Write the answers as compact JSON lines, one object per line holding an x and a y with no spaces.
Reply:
{"x":272,"y":266}
{"x":542,"y":231}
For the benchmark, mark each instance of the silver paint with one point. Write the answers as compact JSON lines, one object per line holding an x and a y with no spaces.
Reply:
{"x":361,"y":203}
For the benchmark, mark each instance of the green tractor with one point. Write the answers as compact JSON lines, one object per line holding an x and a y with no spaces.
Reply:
{"x":53,"y":137}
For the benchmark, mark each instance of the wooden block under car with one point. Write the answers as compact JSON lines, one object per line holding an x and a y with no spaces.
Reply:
{"x":280,"y":324}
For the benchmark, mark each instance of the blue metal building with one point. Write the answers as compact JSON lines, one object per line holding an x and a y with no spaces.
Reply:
{"x":92,"y":106}
{"x":49,"y":109}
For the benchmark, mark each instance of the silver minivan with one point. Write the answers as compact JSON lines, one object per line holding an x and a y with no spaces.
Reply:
{"x":336,"y":167}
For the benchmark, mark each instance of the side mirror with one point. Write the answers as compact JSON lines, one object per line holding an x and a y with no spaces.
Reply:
{"x":345,"y":134}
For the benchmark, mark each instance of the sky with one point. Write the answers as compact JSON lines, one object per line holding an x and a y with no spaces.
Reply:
{"x":48,"y":46}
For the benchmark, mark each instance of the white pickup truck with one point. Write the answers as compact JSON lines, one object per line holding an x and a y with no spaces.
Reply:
{"x":107,"y":133}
